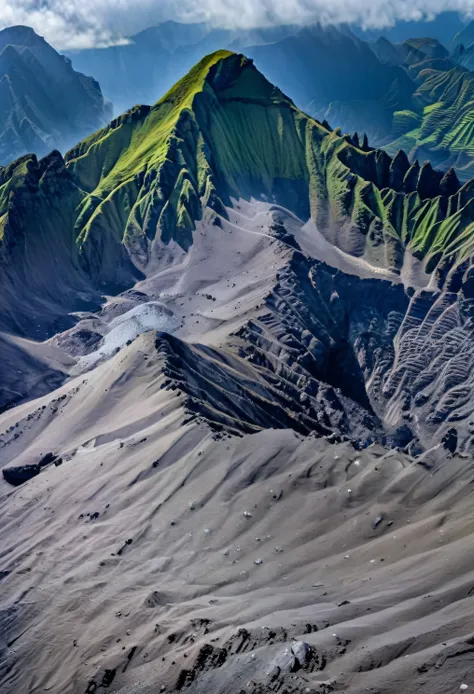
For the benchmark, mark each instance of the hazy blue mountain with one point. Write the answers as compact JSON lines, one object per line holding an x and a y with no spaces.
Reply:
{"x":442,"y":27}
{"x":44,"y":102}
{"x":152,"y":60}
{"x":325,"y":71}
{"x":465,"y":36}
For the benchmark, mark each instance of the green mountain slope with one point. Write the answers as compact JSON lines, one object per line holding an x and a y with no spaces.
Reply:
{"x":438,"y":123}
{"x":224,"y":132}
{"x":440,"y":126}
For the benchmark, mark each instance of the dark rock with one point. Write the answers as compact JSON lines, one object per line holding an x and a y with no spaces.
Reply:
{"x":47,"y":459}
{"x":428,"y":182}
{"x":20,"y":475}
{"x":108,"y":677}
{"x":449,"y":183}
{"x":398,"y":170}
{"x":450,"y":440}
{"x":378,"y":520}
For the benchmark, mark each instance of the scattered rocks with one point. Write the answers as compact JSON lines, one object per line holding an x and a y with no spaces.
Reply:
{"x":378,"y":520}
{"x":301,"y":651}
{"x":283,"y":662}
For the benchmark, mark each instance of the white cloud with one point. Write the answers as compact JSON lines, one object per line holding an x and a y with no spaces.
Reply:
{"x":70,"y":24}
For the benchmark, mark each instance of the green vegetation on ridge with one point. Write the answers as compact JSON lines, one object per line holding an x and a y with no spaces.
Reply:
{"x":225,"y":132}
{"x":443,"y":128}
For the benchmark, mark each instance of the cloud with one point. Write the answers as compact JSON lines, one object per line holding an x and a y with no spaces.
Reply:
{"x":68,"y":24}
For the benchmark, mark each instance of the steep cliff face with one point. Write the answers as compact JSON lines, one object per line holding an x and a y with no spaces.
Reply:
{"x":44,"y":103}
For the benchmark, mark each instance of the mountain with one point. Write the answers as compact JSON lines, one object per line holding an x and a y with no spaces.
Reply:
{"x":340,"y":92}
{"x":150,"y":62}
{"x":436,"y":125}
{"x":236,"y":438}
{"x":465,"y":37}
{"x":134,"y":192}
{"x":411,"y":82}
{"x":44,"y":103}
{"x":439,"y":126}
{"x":145,"y":67}
{"x":445,"y":27}
{"x":352,"y":100}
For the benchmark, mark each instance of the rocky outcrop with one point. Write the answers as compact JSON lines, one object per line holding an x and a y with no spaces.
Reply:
{"x":23,"y":473}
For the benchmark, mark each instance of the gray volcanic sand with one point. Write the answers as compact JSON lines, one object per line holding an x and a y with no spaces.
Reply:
{"x":329,"y":525}
{"x":160,"y":556}
{"x":219,"y":284}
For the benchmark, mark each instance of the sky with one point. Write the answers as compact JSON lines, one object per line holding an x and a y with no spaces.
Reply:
{"x":70,"y":24}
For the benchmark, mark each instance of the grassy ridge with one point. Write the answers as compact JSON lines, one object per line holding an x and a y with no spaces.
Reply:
{"x":443,"y":127}
{"x":224,"y":131}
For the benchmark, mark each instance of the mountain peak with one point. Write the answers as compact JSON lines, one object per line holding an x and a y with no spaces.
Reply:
{"x":21,"y":34}
{"x":225,"y":132}
{"x":237,"y":76}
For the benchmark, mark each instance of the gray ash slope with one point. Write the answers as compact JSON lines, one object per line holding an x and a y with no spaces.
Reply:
{"x":327,"y":351}
{"x":157,"y":558}
{"x":206,"y":522}
{"x":327,"y":347}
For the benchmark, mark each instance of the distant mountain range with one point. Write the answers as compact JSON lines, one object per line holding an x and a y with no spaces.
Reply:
{"x":324,"y":70}
{"x":154,"y":59}
{"x":443,"y":27}
{"x":415,"y":94}
{"x":44,"y":102}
